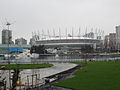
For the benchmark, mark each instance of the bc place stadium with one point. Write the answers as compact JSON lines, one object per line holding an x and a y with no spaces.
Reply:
{"x":69,"y":42}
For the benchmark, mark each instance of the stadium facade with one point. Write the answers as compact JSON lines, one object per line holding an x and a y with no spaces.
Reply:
{"x":68,"y":42}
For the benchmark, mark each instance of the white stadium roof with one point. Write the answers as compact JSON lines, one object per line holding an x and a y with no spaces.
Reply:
{"x":62,"y":38}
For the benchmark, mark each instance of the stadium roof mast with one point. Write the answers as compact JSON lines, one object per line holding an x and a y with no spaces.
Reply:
{"x":54,"y":33}
{"x":92,"y":32}
{"x":59,"y":33}
{"x":38,"y":35}
{"x":79,"y":33}
{"x":85,"y":35}
{"x":72,"y":32}
{"x":48,"y":34}
{"x":96,"y":33}
{"x":42,"y":34}
{"x":66,"y":33}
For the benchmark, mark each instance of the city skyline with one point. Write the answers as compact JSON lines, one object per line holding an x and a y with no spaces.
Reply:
{"x":34,"y":15}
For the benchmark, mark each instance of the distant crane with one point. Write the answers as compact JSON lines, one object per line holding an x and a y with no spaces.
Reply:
{"x":8,"y":23}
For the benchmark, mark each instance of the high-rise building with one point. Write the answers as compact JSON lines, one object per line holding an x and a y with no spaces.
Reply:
{"x":106,"y":42}
{"x":112,"y":41}
{"x":20,"y":41}
{"x":6,"y":36}
{"x":32,"y":41}
{"x":118,"y":37}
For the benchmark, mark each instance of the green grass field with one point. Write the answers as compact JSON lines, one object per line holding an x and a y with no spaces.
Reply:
{"x":100,"y":75}
{"x":24,"y":66}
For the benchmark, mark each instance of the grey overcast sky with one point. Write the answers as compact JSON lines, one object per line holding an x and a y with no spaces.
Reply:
{"x":34,"y":15}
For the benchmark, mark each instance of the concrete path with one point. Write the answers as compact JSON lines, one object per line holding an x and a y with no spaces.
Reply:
{"x":31,"y":77}
{"x":26,"y":75}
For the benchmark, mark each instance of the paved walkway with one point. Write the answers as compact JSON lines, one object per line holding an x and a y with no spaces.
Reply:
{"x":28,"y":76}
{"x":36,"y":76}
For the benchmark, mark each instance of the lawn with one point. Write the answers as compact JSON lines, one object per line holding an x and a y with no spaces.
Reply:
{"x":24,"y":66}
{"x":101,"y":75}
